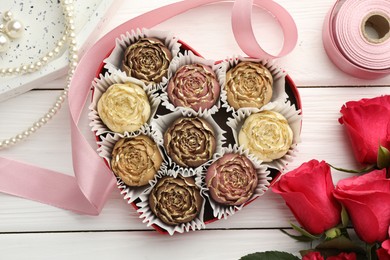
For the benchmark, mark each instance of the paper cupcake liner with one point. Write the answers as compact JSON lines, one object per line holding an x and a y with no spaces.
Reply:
{"x":151,"y":219}
{"x":223,"y":211}
{"x":293,"y":117}
{"x":113,"y":62}
{"x":186,"y":59}
{"x":101,"y":84}
{"x":162,"y":123}
{"x":278,"y":95}
{"x":106,"y":145}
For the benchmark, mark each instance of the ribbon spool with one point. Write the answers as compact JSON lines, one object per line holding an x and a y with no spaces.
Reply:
{"x":356,"y":37}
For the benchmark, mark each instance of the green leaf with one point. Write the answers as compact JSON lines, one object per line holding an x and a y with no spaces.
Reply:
{"x":301,"y":238}
{"x":304,"y":232}
{"x":270,"y":255}
{"x":364,"y":170}
{"x":344,"y":217}
{"x":383,"y":160}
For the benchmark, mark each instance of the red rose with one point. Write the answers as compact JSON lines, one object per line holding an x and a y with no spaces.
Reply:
{"x":367,"y":200}
{"x":307,"y":191}
{"x":313,"y":256}
{"x":343,"y":256}
{"x":368,"y":125}
{"x":383,"y":253}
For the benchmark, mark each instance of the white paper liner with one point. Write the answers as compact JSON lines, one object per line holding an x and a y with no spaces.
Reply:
{"x":106,"y":145}
{"x":223,"y":211}
{"x":101,"y":84}
{"x":278,"y":88}
{"x":113,"y":62}
{"x":190,"y":58}
{"x":150,"y":218}
{"x":293,"y":117}
{"x":162,"y":123}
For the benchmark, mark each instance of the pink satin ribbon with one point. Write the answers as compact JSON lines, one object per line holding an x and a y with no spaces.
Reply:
{"x":88,"y":190}
{"x":345,"y":44}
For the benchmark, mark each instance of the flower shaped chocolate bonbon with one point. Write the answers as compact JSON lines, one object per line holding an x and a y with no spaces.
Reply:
{"x":231,"y":179}
{"x":136,"y":160}
{"x":267,"y":135}
{"x":175,"y":200}
{"x":194,"y":86}
{"x":190,"y":141}
{"x":148,"y":60}
{"x":124,"y":107}
{"x":248,"y":84}
{"x":202,"y":171}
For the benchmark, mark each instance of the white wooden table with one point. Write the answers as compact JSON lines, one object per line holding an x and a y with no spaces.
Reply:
{"x":30,"y":230}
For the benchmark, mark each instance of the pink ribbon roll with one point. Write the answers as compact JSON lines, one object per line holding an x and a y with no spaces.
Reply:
{"x":88,"y":190}
{"x":350,"y":41}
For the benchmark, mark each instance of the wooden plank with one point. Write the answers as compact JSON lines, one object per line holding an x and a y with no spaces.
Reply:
{"x":225,"y":244}
{"x":322,"y":138}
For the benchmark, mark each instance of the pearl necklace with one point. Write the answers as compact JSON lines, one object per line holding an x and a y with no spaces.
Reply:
{"x":70,"y":38}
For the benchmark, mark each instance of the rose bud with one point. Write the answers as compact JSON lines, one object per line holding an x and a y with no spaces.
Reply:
{"x":307,"y":191}
{"x":367,"y":201}
{"x":248,"y":84}
{"x":136,"y":160}
{"x":148,"y":60}
{"x":194,"y":86}
{"x":124,"y":107}
{"x":175,"y":200}
{"x":367,"y":123}
{"x":190,"y":142}
{"x":231,"y":179}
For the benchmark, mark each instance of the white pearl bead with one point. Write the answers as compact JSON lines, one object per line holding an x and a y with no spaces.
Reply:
{"x":37,"y":125}
{"x":58,"y":105}
{"x":31,"y":68}
{"x":14,"y":29}
{"x":7,"y":16}
{"x":4,"y":42}
{"x":38,"y":64}
{"x":53,"y":110}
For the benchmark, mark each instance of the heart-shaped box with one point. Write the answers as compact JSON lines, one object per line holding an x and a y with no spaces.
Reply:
{"x":223,"y":118}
